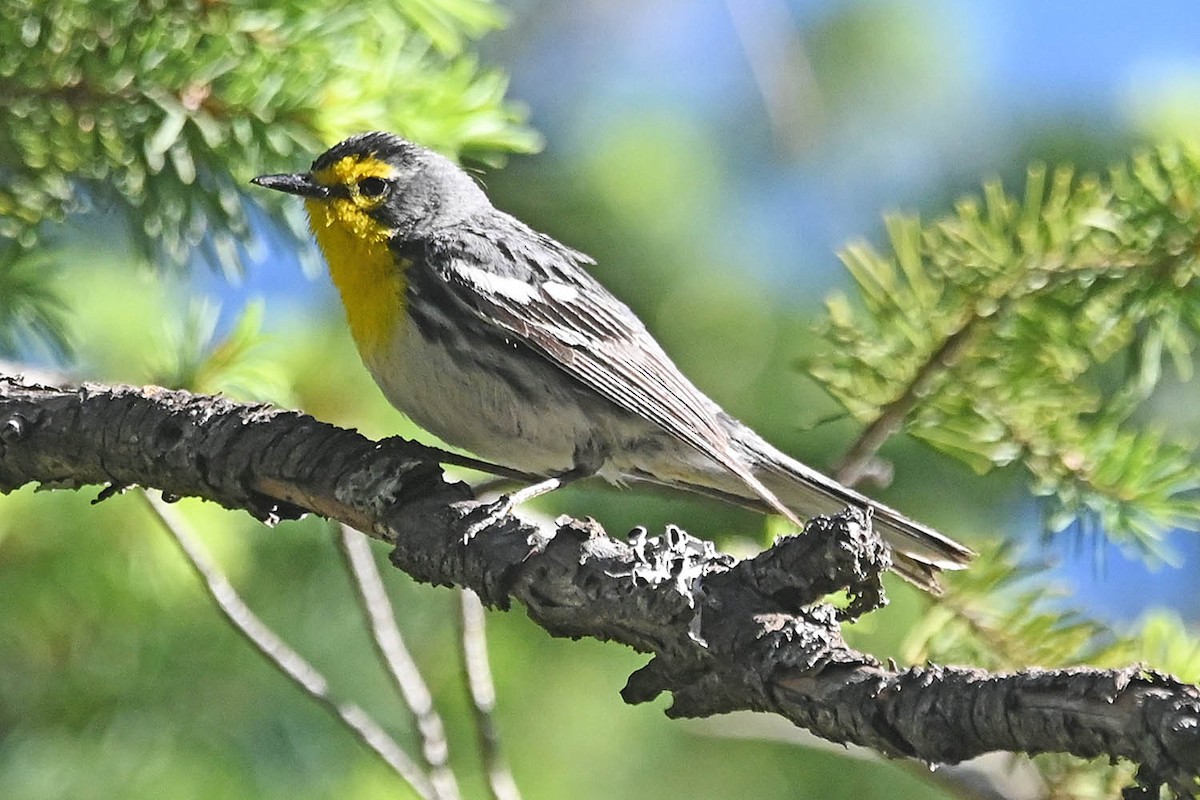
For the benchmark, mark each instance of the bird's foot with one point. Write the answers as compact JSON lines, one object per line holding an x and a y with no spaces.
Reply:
{"x":488,"y":515}
{"x":492,"y":513}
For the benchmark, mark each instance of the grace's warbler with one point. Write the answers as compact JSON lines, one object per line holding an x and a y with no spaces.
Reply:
{"x":495,"y":338}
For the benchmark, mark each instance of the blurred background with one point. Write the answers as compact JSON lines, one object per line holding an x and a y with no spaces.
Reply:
{"x":713,"y":157}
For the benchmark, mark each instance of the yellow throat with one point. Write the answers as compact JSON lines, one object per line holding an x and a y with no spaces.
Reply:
{"x":367,"y":274}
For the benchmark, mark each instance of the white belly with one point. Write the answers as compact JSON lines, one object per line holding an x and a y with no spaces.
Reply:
{"x":537,"y":428}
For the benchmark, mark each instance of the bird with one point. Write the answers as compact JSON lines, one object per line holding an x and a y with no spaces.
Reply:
{"x":497,"y":339}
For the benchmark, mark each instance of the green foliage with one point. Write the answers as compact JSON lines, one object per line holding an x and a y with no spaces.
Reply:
{"x":1032,"y":330}
{"x":1163,"y":641}
{"x":192,"y":358}
{"x":30,"y":308}
{"x":1004,"y":615}
{"x":159,"y":112}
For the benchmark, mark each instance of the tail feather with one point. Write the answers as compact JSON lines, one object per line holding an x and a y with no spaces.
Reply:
{"x":919,"y":552}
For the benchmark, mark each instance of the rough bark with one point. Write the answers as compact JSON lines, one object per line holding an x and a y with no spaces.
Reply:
{"x":724,"y":635}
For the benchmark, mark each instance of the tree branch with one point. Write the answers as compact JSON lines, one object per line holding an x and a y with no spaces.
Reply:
{"x":724,"y":635}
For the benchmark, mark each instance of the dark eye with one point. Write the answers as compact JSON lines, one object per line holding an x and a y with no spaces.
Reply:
{"x":372,"y":187}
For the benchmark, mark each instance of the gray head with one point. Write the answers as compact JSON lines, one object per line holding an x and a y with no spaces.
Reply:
{"x":378,"y":183}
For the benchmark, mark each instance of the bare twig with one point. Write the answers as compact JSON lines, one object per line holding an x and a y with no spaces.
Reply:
{"x":781,"y":69}
{"x":285,"y":659}
{"x":400,"y":664}
{"x":478,"y":675}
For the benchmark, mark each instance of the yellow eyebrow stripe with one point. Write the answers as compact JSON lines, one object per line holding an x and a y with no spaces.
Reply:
{"x":353,"y":169}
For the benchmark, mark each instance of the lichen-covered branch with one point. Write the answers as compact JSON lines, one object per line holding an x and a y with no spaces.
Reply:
{"x":724,"y":635}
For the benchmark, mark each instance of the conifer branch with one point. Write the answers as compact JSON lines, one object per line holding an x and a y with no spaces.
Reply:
{"x":891,"y":417}
{"x":995,"y":335}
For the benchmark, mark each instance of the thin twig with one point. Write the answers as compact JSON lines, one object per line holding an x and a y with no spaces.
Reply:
{"x":405,"y":675}
{"x":781,"y":69}
{"x":483,"y":697}
{"x":283,"y":657}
